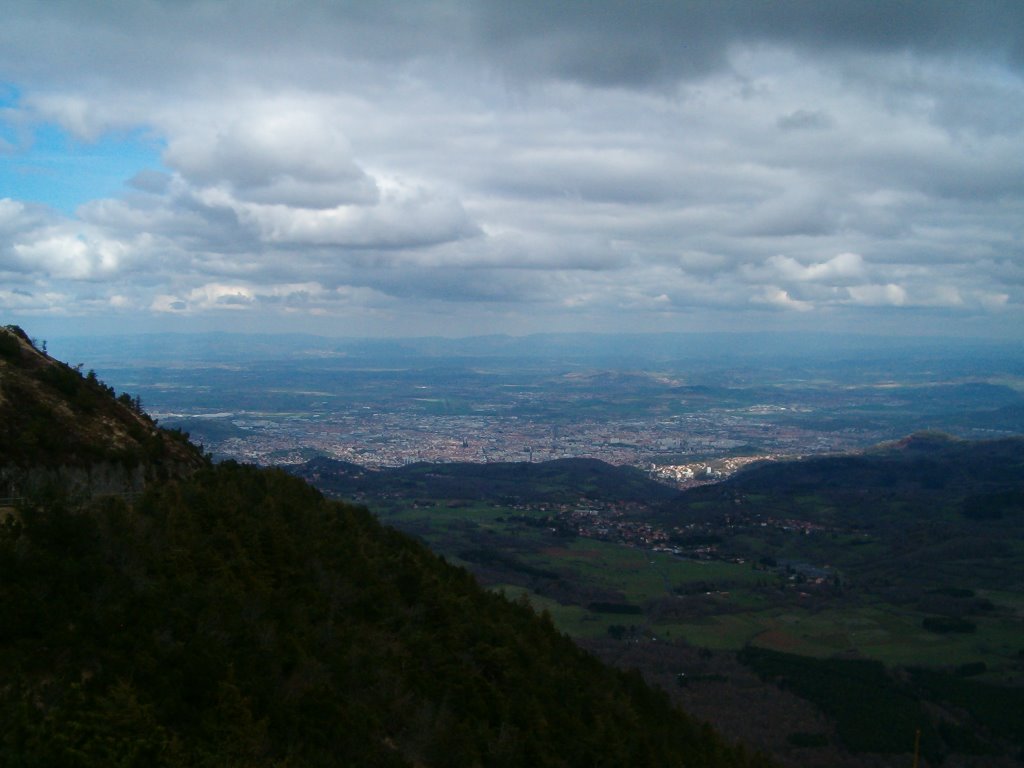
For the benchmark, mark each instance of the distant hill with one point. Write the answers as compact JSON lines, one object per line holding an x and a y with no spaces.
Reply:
{"x":929,"y":511}
{"x":557,"y":481}
{"x":930,"y":472}
{"x":231,"y":616}
{"x":59,"y":427}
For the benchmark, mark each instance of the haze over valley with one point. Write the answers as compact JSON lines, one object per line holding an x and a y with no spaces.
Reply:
{"x":669,"y":403}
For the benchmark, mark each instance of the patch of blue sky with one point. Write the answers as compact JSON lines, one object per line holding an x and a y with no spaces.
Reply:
{"x":42,"y":163}
{"x":9,"y":96}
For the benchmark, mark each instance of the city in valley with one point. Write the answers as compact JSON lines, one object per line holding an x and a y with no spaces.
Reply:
{"x":687,"y":408}
{"x":393,"y":439}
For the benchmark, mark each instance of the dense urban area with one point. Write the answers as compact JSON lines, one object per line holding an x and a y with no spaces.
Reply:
{"x":394,"y":439}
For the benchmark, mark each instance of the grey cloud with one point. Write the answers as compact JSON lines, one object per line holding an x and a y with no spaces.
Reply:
{"x":413,"y":282}
{"x":149,"y":180}
{"x":804,"y":119}
{"x":400,"y":221}
{"x":18,"y":217}
{"x":800,"y":213}
{"x":279,"y":155}
{"x":235,"y":299}
{"x":610,"y":43}
{"x":931,"y":26}
{"x":612,"y":175}
{"x":181,"y":218}
{"x":600,"y":42}
{"x":287,"y":190}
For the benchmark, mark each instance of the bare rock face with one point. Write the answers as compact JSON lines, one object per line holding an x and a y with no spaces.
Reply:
{"x":62,"y":430}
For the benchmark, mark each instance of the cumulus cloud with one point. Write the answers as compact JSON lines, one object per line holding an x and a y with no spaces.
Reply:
{"x":839,"y":269}
{"x":403,"y":218}
{"x":515,"y":164}
{"x":878,"y":295}
{"x":37,"y":243}
{"x":779,"y":298}
{"x":280,"y":155}
{"x":16,"y":217}
{"x":68,"y":255}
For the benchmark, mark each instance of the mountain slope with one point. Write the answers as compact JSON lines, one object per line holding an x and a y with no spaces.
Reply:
{"x":233,"y":616}
{"x":923,"y":463}
{"x":60,"y":428}
{"x":238,"y":618}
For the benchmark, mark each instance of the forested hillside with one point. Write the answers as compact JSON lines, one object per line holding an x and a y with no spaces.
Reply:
{"x":925,"y":513}
{"x":232,"y":616}
{"x":238,"y":618}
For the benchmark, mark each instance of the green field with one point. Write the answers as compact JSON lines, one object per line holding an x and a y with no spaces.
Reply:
{"x":885,"y":589}
{"x":711,"y":604}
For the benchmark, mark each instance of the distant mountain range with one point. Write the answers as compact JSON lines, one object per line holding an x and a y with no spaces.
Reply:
{"x":589,"y":348}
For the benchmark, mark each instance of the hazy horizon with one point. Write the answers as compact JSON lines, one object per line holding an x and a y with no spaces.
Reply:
{"x":623,"y":351}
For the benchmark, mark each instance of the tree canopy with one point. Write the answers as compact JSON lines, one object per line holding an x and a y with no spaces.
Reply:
{"x":237,"y":617}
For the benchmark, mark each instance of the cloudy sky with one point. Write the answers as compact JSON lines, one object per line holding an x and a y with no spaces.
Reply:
{"x":460,"y":168}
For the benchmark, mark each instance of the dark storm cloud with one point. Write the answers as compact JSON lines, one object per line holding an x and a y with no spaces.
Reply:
{"x":598,"y":42}
{"x":627,"y":44}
